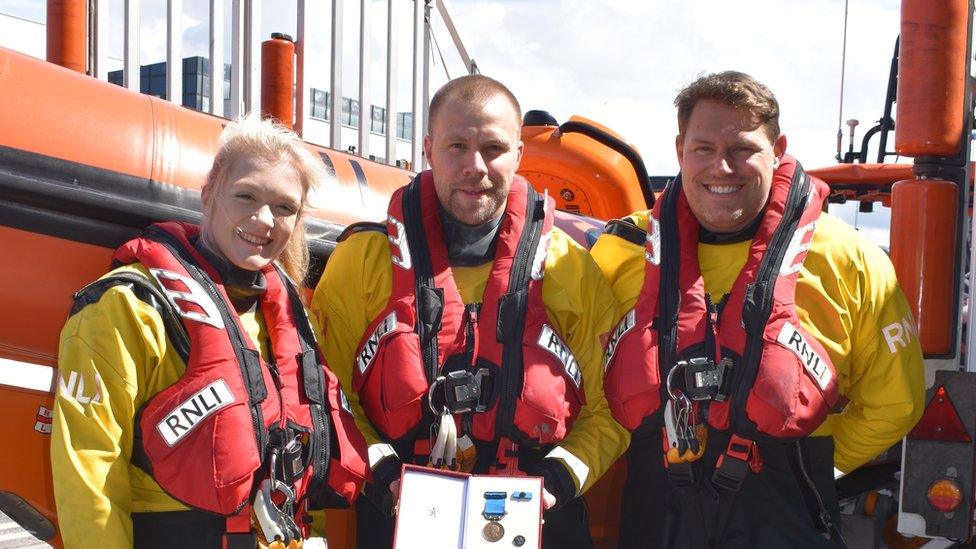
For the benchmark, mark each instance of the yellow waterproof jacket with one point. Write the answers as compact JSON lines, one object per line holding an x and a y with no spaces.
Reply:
{"x":355,"y":289}
{"x":114,"y":356}
{"x":847,"y":296}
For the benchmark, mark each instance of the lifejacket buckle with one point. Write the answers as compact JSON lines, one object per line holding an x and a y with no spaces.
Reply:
{"x":702,"y":377}
{"x":463,"y":391}
{"x":680,"y":474}
{"x":287,"y":454}
{"x":733,"y":465}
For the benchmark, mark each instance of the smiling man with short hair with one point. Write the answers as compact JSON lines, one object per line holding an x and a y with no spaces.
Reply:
{"x":749,"y":314}
{"x":468,"y":314}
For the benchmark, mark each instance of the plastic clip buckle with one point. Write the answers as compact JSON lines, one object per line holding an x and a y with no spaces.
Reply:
{"x":681,"y":474}
{"x":733,"y":465}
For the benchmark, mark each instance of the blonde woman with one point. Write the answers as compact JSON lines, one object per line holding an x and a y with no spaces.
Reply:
{"x":214,"y":421}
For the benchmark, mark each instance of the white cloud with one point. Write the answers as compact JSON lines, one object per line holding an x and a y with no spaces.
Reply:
{"x":621,"y":62}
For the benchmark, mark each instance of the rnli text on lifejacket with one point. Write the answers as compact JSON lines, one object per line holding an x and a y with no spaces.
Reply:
{"x":189,"y":413}
{"x":793,"y":340}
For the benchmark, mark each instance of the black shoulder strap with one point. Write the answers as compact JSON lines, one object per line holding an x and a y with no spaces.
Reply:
{"x":361,"y":226}
{"x":429,"y":298}
{"x":626,"y":229}
{"x":146,"y":291}
{"x":759,"y":301}
{"x":512,"y":309}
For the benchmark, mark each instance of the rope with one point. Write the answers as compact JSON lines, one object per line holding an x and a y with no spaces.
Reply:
{"x":437,"y":46}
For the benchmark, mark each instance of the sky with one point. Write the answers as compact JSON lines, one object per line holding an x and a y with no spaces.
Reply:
{"x":618,"y":62}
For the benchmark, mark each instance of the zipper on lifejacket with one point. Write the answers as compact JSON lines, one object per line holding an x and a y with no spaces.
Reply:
{"x":276,"y":376}
{"x":511,"y":386}
{"x":711,"y":330}
{"x":759,"y":295}
{"x":471,"y":312}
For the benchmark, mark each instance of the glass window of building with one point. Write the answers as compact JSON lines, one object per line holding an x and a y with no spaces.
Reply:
{"x":320,"y":104}
{"x":377,"y":122}
{"x":405,"y":125}
{"x":350,"y":112}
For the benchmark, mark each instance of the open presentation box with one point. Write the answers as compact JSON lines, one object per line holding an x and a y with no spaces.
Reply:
{"x":441,"y":509}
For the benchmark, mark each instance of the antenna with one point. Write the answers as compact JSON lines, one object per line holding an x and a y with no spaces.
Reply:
{"x":840,"y":112}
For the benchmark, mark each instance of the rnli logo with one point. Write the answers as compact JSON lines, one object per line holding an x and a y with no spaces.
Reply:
{"x":43,"y":420}
{"x":194,"y":294}
{"x":549,"y":341}
{"x":899,"y":335}
{"x":397,"y":234}
{"x":815,"y":365}
{"x":626,"y":323}
{"x":366,"y":355}
{"x":76,"y":388}
{"x":653,"y":252}
{"x":189,"y":413}
{"x":796,"y":252}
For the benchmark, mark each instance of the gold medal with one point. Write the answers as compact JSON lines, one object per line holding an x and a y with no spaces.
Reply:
{"x":493,"y":531}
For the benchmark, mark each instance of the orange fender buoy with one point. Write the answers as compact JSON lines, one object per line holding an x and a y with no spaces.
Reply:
{"x":277,"y":79}
{"x":67,"y":22}
{"x":923,"y":251}
{"x":931,"y":77}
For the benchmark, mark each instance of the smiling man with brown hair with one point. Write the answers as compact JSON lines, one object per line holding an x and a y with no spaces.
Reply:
{"x":749,"y":313}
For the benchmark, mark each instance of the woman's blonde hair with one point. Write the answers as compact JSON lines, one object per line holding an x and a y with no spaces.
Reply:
{"x":251,"y":137}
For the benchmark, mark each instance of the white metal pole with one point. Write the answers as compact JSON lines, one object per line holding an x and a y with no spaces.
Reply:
{"x":236,"y":59}
{"x":469,"y":64}
{"x":217,"y":57}
{"x":365,"y":110}
{"x":391,"y":82}
{"x":418,"y":95}
{"x":252,"y":81}
{"x":335,"y":99}
{"x":100,"y":39}
{"x":301,"y":89}
{"x":174,"y":48}
{"x":130,"y":55}
{"x":426,"y":86}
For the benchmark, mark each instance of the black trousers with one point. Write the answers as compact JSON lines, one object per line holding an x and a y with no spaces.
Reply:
{"x":565,"y":528}
{"x":772,"y":509}
{"x":183,"y":529}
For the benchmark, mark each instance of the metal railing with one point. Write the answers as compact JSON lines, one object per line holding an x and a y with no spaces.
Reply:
{"x":245,"y":62}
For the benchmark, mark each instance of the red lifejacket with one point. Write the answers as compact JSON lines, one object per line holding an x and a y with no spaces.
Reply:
{"x":534,"y":387}
{"x":780,"y":381}
{"x":205,"y":438}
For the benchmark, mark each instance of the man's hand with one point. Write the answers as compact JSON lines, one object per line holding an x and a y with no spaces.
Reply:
{"x":548,"y":500}
{"x":395,"y":490}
